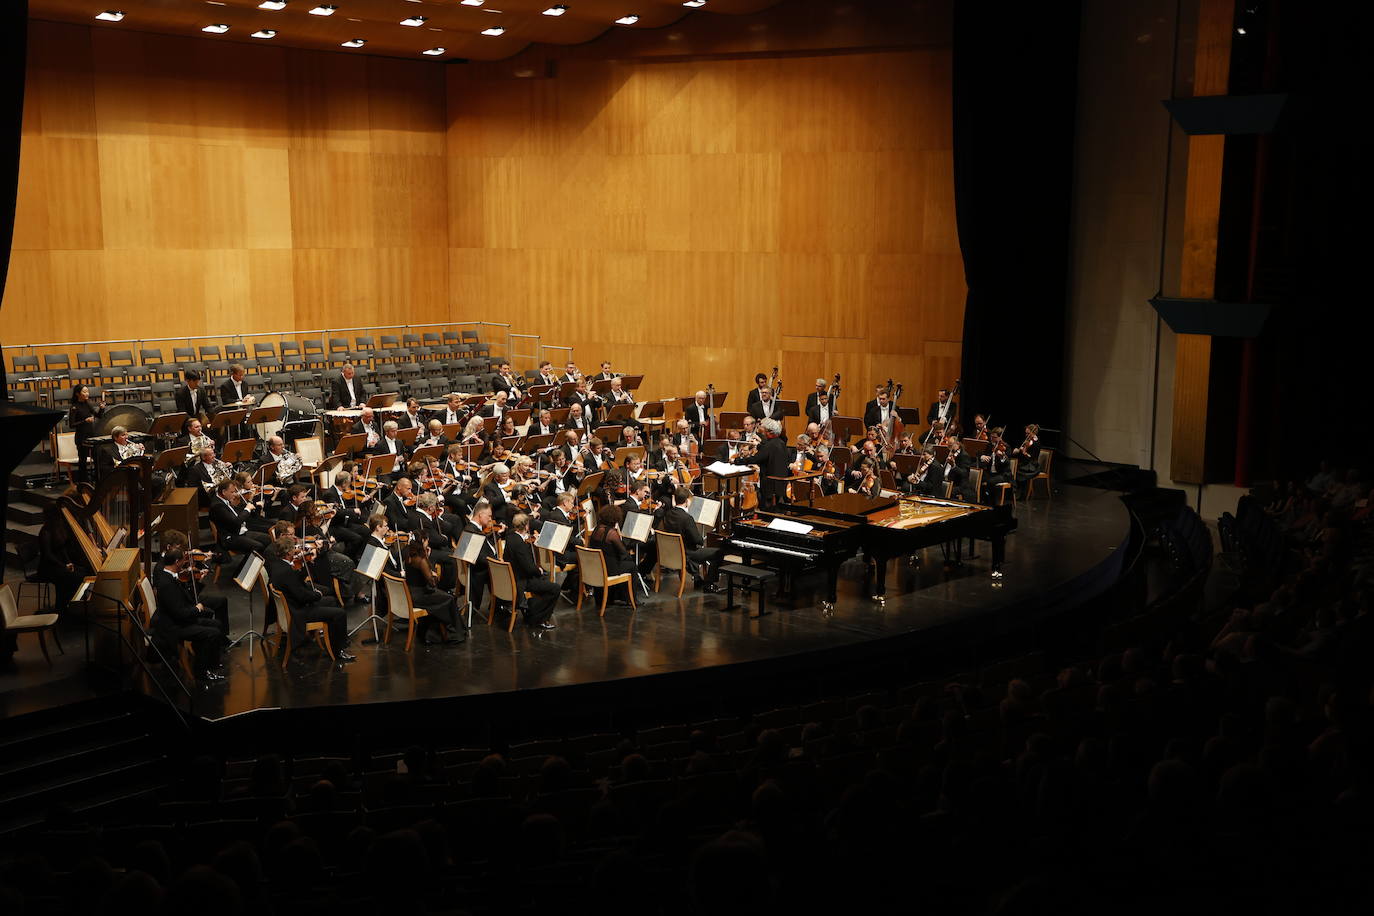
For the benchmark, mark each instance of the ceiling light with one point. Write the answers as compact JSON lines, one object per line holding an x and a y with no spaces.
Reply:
{"x":694,"y":4}
{"x":110,"y":15}
{"x":557,"y":9}
{"x":265,"y":33}
{"x":496,"y":30}
{"x":433,"y":52}
{"x":324,"y":9}
{"x":627,"y":20}
{"x":218,"y":28}
{"x":414,"y":20}
{"x":472,"y":2}
{"x":354,"y":43}
{"x":272,"y":5}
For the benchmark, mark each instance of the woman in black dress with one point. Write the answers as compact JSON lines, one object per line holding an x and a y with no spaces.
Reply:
{"x":59,"y":562}
{"x":606,"y":538}
{"x":1028,"y":455}
{"x":425,"y":594}
{"x":81,"y":419}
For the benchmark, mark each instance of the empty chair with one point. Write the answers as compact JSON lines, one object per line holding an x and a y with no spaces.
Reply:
{"x":235,"y":352}
{"x":57,"y":363}
{"x":17,"y":623}
{"x":25,"y":396}
{"x":420,"y":388}
{"x":261,"y":349}
{"x":312,"y":349}
{"x":452,"y":337}
{"x":672,"y":556}
{"x":338,"y":345}
{"x":150,"y":358}
{"x":25,"y":366}
{"x":411,"y":340}
{"x":294,"y":363}
{"x":210,"y":354}
{"x":89,"y":360}
{"x":183,"y":356}
{"x":470,"y":336}
{"x":289,"y":347}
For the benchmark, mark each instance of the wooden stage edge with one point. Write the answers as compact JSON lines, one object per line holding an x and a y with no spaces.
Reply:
{"x":1066,"y":551}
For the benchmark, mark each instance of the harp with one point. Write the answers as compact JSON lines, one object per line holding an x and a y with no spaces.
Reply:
{"x":121,"y":501}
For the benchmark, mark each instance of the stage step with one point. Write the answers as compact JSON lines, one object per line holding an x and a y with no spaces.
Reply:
{"x":81,"y":756}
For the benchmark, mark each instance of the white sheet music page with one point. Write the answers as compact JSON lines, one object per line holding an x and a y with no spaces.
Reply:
{"x":786,"y":524}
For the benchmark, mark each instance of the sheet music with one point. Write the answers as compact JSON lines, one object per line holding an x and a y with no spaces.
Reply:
{"x":554,"y":536}
{"x":637,"y":526}
{"x":373,"y":561}
{"x":470,"y":546}
{"x":785,"y":524}
{"x":248,"y":573}
{"x":704,"y":511}
{"x":722,"y":469}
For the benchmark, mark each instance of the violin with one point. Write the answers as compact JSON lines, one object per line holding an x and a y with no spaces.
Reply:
{"x":397,"y":537}
{"x":194,"y":565}
{"x":494,"y":527}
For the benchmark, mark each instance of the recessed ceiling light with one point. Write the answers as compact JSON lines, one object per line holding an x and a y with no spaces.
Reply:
{"x":557,"y":9}
{"x":627,"y":20}
{"x":694,"y":4}
{"x":433,"y":52}
{"x":218,"y":28}
{"x":354,"y":43}
{"x":272,"y":5}
{"x":497,"y":30}
{"x":472,"y":2}
{"x":414,"y":20}
{"x":324,"y":9}
{"x":110,"y":15}
{"x":265,"y":33}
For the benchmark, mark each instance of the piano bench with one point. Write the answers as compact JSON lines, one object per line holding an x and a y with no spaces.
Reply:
{"x":751,"y":579}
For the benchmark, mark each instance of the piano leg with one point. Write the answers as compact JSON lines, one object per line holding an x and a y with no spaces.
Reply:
{"x":880,"y":579}
{"x":832,"y":576}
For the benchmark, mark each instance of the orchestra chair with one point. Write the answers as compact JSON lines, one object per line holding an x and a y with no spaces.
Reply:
{"x":548,"y":560}
{"x":503,"y":587}
{"x":672,"y":555}
{"x":17,"y":623}
{"x":1046,"y":461}
{"x":947,"y":490}
{"x":463,"y":575}
{"x":975,"y":482}
{"x":591,"y":566}
{"x":214,"y":536}
{"x":318,"y":628}
{"x":148,"y":606}
{"x":265,"y":589}
{"x":64,"y":455}
{"x":1008,"y":487}
{"x":400,"y":604}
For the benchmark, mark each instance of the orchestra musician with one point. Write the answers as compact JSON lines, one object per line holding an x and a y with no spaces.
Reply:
{"x":818,"y":408}
{"x":605,"y":375}
{"x":878,"y":411}
{"x":683,"y":439}
{"x":209,"y":472}
{"x":942,"y":408}
{"x":193,"y":440}
{"x":504,"y":382}
{"x":1027,"y":454}
{"x":496,"y":407}
{"x":434,"y":527}
{"x":702,"y":561}
{"x":81,"y":416}
{"x":529,"y":577}
{"x":577,"y":421}
{"x":412,"y":417}
{"x":546,"y":374}
{"x":482,"y":524}
{"x":697,"y":415}
{"x":191,"y":399}
{"x":308,"y":604}
{"x":233,"y":391}
{"x":230,"y":513}
{"x":434,"y":435}
{"x":496,"y":493}
{"x":606,"y":538}
{"x":293,"y":510}
{"x":544,"y":426}
{"x":453,"y":410}
{"x":765,"y":408}
{"x":367,"y":425}
{"x":288,"y":462}
{"x":390,"y":445}
{"x":122,"y":448}
{"x":349,"y":517}
{"x":570,"y":373}
{"x":812,"y":399}
{"x":596,"y":457}
{"x":399,"y":506}
{"x":756,"y":395}
{"x":346,"y":391}
{"x":181,"y":619}
{"x":428,"y":593}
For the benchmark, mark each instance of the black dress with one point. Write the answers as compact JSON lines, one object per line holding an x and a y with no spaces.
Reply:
{"x":425,"y":595}
{"x":77,"y":417}
{"x":612,"y":547}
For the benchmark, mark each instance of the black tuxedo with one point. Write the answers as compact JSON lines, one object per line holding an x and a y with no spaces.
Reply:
{"x":307,"y":605}
{"x":757,"y":411}
{"x":398,"y":515}
{"x":528,"y":578}
{"x":773,"y":460}
{"x":228,"y":393}
{"x":446,"y":416}
{"x":202,"y":401}
{"x":389,"y":446}
{"x":873,"y":412}
{"x":502,"y":383}
{"x":753,"y":398}
{"x":479,"y":573}
{"x":230,"y":522}
{"x":500,"y":508}
{"x":339,"y":397}
{"x":539,"y":429}
{"x":177,"y":620}
{"x":676,"y":521}
{"x":434,"y":533}
{"x":813,"y":412}
{"x":951,"y":413}
{"x":406,"y":421}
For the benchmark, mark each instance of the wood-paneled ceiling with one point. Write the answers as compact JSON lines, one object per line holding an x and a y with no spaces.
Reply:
{"x":449,"y":24}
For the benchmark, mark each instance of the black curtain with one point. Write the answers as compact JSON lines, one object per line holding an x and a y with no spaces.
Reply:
{"x":14,"y":23}
{"x":1015,"y":83}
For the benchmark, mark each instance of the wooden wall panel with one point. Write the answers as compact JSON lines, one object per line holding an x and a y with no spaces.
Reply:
{"x":176,"y":186}
{"x":700,"y":220}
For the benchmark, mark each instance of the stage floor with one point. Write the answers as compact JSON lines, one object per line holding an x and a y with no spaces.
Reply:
{"x":1063,"y":551}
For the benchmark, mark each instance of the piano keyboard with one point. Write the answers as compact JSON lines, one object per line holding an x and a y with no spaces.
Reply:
{"x":773,"y":548}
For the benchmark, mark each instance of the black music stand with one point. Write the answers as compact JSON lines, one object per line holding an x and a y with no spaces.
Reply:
{"x":590,"y":483}
{"x":620,"y":413}
{"x":426,"y":452}
{"x":628,"y":451}
{"x":566,"y":389}
{"x":601,"y":386}
{"x":608,"y":434}
{"x":352,"y":443}
{"x":541,"y":394}
{"x":787,"y":409}
{"x":408,"y":436}
{"x":520,"y":415}
{"x":631,"y":382}
{"x":559,"y":415}
{"x":266,"y":415}
{"x":169,"y":424}
{"x":386,"y":399}
{"x":846,"y":428}
{"x":239,"y":450}
{"x":227,"y":418}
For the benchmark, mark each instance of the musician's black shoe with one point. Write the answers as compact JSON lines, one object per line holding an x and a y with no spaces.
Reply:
{"x":210,"y":676}
{"x":548,"y":625}
{"x":345,"y":658}
{"x":711,"y":588}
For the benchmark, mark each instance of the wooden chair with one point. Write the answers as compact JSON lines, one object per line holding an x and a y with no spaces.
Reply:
{"x":64,"y":455}
{"x":148,"y":600}
{"x":975,"y":484}
{"x":672,"y":554}
{"x":503,"y":587}
{"x":214,"y":539}
{"x":316,"y":627}
{"x":1008,"y":487}
{"x":591,"y":566}
{"x":400,"y":603}
{"x":17,"y":623}
{"x":549,"y":560}
{"x":1046,"y":461}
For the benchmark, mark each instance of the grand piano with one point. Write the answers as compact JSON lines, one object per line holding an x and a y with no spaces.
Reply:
{"x":794,"y":538}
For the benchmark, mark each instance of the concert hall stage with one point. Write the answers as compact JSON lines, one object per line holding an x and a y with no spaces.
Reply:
{"x":1064,"y":551}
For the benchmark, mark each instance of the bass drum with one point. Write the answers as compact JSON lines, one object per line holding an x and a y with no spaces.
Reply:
{"x":132,"y":417}
{"x":299,"y":411}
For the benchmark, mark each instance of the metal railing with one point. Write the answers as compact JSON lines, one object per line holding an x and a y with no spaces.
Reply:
{"x":491,"y":333}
